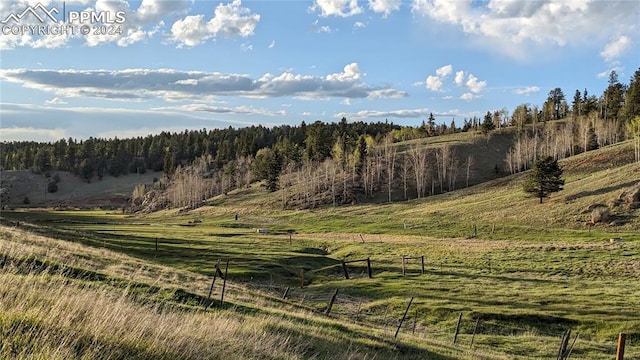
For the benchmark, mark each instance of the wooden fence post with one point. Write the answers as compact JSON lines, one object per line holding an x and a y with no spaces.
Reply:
{"x":455,"y":334}
{"x":404,"y":273}
{"x":344,"y":268}
{"x":224,"y":283}
{"x":572,"y":345}
{"x":403,"y":317}
{"x":563,"y":346}
{"x":475,"y":329}
{"x":286,"y":292}
{"x":333,"y":299}
{"x":215,"y":273}
{"x":369,"y":268}
{"x":622,"y":338}
{"x":422,"y":257}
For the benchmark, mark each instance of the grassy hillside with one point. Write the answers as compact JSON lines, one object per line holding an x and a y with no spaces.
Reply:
{"x":72,"y":190}
{"x":528,"y":271}
{"x":60,"y":300}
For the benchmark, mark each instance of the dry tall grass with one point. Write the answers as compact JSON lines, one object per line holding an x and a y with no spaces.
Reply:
{"x":47,"y":314}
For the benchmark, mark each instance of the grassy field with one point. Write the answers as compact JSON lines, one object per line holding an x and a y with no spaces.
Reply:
{"x":528,"y":271}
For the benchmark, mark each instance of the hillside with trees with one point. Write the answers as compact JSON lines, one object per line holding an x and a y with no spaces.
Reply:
{"x":346,"y":162}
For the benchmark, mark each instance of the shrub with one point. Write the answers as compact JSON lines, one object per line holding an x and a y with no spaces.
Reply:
{"x":52,"y":186}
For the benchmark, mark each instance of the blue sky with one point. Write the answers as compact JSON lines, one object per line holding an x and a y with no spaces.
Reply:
{"x":176,"y":65}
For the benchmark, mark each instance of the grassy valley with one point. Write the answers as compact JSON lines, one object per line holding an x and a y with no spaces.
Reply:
{"x":95,"y":283}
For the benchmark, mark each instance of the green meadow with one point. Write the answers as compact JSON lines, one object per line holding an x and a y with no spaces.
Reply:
{"x":524,"y":272}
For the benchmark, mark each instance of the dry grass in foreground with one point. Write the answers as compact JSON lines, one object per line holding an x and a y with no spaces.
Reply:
{"x":54,"y":305}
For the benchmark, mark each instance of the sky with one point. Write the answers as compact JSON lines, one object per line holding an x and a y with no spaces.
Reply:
{"x":117,"y":68}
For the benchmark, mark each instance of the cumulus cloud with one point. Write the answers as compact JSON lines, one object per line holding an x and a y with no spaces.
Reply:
{"x":468,"y":96}
{"x":474,"y":84}
{"x":339,"y":8}
{"x":315,"y":27}
{"x":384,"y":7}
{"x":444,"y":71}
{"x":459,"y":78}
{"x":229,"y":20}
{"x":516,"y":27}
{"x":176,"y":85}
{"x":433,"y":83}
{"x":527,"y":90}
{"x":359,"y":25}
{"x":616,"y":48}
{"x":437,"y":82}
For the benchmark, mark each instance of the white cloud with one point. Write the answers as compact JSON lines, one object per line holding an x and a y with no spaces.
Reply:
{"x":359,"y":25}
{"x":386,"y":94}
{"x":350,"y":72}
{"x":385,"y":7}
{"x":468,"y":96}
{"x":405,"y":113}
{"x":346,"y":102}
{"x":32,"y":122}
{"x":527,"y":90}
{"x":272,"y":44}
{"x":616,"y":48}
{"x":238,"y":110}
{"x":517,"y":27}
{"x":605,"y":74}
{"x":340,"y":8}
{"x":31,"y":134}
{"x":176,"y":85}
{"x":474,"y":85}
{"x":444,"y":71}
{"x":229,"y":21}
{"x":55,"y":101}
{"x":433,"y":83}
{"x":459,"y":78}
{"x":246,"y":46}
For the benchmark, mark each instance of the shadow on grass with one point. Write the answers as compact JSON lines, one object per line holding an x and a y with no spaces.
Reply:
{"x":601,"y":190}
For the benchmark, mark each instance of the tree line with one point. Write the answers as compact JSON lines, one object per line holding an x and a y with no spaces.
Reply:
{"x":336,"y":163}
{"x":588,"y":124}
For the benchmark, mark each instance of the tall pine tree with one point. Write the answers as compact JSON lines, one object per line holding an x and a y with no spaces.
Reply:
{"x":544,"y":178}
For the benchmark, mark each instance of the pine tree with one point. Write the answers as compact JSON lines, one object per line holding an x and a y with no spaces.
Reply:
{"x":488,"y":125}
{"x":631,"y":107}
{"x":544,"y":178}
